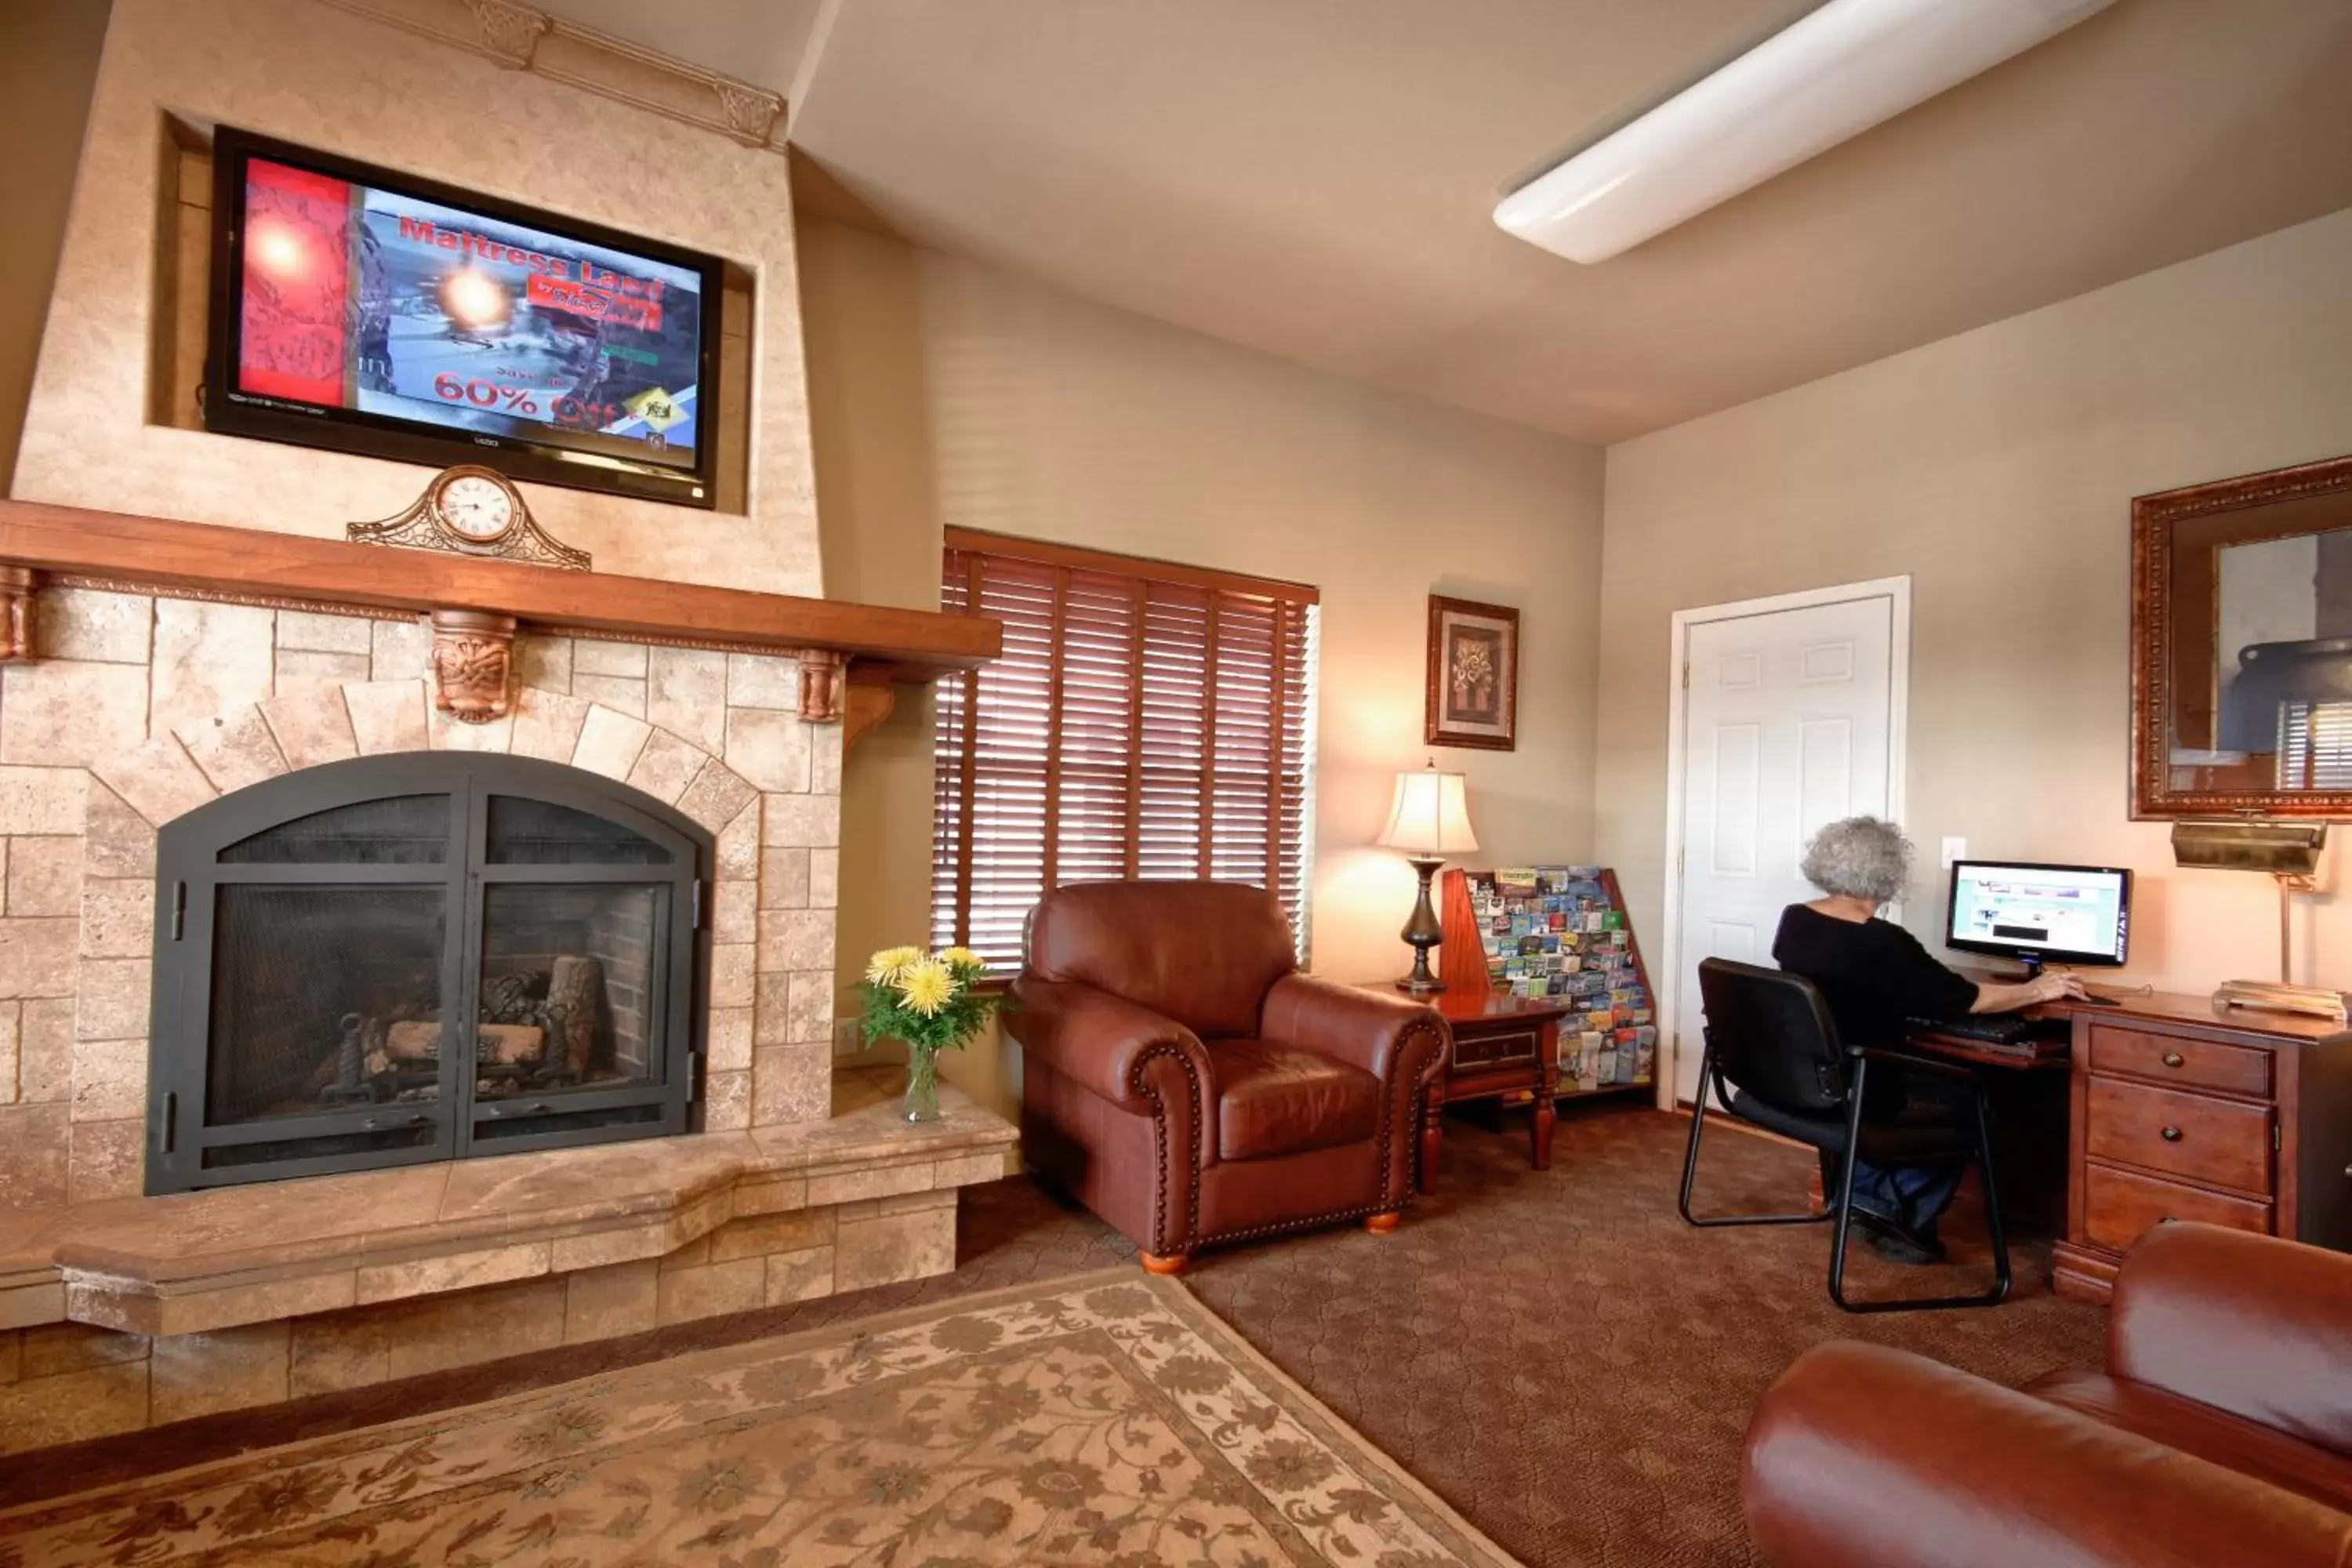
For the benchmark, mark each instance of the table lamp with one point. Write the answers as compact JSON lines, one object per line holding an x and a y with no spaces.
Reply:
{"x":2289,"y":851}
{"x":1429,"y":819}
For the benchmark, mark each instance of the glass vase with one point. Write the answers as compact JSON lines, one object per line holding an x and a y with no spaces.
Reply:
{"x":923,"y":1084}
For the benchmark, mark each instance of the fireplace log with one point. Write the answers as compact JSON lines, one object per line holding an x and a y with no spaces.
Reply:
{"x":502,"y":1045}
{"x":509,"y":1045}
{"x":575,"y":989}
{"x":413,"y":1040}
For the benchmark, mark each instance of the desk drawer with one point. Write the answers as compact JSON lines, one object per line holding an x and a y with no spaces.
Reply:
{"x":2198,"y":1064}
{"x":1478,"y":1047}
{"x":2119,"y":1206}
{"x":2192,"y":1135}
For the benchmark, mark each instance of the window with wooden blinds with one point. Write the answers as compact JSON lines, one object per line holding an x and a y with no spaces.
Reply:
{"x":1145,"y":720}
{"x":2314,"y":748}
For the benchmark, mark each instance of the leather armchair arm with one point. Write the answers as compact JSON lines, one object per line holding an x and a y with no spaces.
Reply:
{"x":1105,"y":1044}
{"x":1366,"y":1030}
{"x":2283,"y":1310}
{"x":1861,"y":1457}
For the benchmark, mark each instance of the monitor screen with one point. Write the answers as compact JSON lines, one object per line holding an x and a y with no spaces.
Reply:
{"x":2064,"y":914}
{"x":375,"y":313}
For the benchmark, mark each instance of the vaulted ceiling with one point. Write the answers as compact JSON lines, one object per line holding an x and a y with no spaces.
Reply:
{"x":1314,"y":177}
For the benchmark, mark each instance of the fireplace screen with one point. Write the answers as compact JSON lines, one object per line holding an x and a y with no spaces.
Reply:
{"x":420,"y":957}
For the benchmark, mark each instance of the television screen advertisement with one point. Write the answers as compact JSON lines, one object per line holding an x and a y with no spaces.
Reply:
{"x":386,"y":316}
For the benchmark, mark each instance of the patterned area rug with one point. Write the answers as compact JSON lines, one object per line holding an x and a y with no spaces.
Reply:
{"x":1104,"y":1419}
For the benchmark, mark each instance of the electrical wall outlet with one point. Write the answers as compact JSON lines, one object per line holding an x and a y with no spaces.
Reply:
{"x":1955,"y":850}
{"x":845,"y":1037}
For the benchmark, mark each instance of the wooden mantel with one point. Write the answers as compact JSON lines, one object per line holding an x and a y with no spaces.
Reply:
{"x":859,"y":650}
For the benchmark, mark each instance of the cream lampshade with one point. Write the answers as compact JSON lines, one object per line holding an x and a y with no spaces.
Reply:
{"x":1429,"y":814}
{"x":1429,"y":818}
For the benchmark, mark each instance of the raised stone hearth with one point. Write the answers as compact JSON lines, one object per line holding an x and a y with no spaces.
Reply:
{"x":133,"y":1312}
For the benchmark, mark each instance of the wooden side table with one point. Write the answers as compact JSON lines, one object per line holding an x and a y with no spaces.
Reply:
{"x":1505,"y":1048}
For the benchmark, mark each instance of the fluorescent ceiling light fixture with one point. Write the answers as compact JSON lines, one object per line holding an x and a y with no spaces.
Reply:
{"x":1836,"y":72}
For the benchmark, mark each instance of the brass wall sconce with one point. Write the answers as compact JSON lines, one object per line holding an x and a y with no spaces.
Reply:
{"x":2290,"y":852}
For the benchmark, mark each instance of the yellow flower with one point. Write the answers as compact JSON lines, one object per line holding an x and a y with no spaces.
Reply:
{"x":884,"y":967}
{"x":927,"y":985}
{"x":962,"y":958}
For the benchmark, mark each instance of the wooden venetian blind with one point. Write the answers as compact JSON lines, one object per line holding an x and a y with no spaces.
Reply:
{"x":2314,"y":749}
{"x":1145,"y":721}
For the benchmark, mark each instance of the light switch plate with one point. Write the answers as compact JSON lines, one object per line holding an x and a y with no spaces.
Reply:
{"x":1955,"y":850}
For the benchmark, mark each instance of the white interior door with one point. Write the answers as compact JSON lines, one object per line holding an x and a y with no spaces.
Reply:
{"x":1788,"y":723}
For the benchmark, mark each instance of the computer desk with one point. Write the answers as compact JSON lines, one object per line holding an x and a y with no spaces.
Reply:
{"x":2168,"y":1108}
{"x":2030,"y":1111}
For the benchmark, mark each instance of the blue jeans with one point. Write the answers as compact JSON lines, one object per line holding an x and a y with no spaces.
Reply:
{"x":1913,"y":1196}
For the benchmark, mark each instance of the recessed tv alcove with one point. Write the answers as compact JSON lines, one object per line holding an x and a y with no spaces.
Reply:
{"x":367,"y":311}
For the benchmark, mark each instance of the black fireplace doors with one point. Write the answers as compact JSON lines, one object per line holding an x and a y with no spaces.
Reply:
{"x":421,"y":956}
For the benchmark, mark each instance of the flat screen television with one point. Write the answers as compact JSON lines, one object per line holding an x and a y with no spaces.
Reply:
{"x":366,"y":311}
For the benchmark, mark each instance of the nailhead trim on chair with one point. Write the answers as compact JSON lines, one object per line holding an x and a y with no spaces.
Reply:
{"x":1311,"y":1222}
{"x":1160,"y":1139}
{"x":1388,"y":1109}
{"x":1431,"y":1071}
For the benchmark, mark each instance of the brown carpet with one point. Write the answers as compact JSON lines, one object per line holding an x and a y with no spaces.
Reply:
{"x":1553,"y":1352}
{"x":1108,"y":1419}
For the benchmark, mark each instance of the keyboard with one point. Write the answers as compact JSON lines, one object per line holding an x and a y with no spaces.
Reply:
{"x":2000,"y":1028}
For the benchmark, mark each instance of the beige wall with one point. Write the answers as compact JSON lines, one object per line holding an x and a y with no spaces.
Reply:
{"x":49,"y":60}
{"x":322,"y":77}
{"x":1997,"y":468}
{"x":943,"y":392}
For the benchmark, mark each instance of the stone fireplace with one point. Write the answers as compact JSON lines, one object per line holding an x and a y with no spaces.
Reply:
{"x":213,"y":743}
{"x":321,"y":936}
{"x":253,"y":721}
{"x":246,"y":827}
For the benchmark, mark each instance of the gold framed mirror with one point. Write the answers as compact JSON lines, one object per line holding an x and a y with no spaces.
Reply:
{"x":2241,"y":647}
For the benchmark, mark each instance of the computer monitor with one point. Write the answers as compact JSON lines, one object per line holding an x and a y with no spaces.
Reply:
{"x":2040,"y":914}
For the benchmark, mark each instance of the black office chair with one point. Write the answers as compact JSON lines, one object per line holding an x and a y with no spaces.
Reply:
{"x":1774,"y":1058}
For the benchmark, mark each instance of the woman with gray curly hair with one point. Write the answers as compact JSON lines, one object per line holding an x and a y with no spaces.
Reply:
{"x":1876,"y":978}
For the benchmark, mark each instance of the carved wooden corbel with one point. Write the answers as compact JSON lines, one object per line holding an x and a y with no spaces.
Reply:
{"x":473,"y":665}
{"x":16,"y":585}
{"x":871,"y":698}
{"x":823,"y":670}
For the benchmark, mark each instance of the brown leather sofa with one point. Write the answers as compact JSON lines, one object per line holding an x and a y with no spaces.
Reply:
{"x":2219,"y":1432}
{"x":1188,"y":1085}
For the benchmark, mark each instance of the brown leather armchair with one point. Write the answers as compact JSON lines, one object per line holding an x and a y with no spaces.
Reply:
{"x":1182,"y":1081}
{"x":2219,"y":1432}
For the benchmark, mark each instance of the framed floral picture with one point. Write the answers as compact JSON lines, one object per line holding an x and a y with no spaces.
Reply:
{"x":1473,"y":675}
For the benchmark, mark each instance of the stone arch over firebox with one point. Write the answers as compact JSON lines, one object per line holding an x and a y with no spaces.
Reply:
{"x":304,"y":728}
